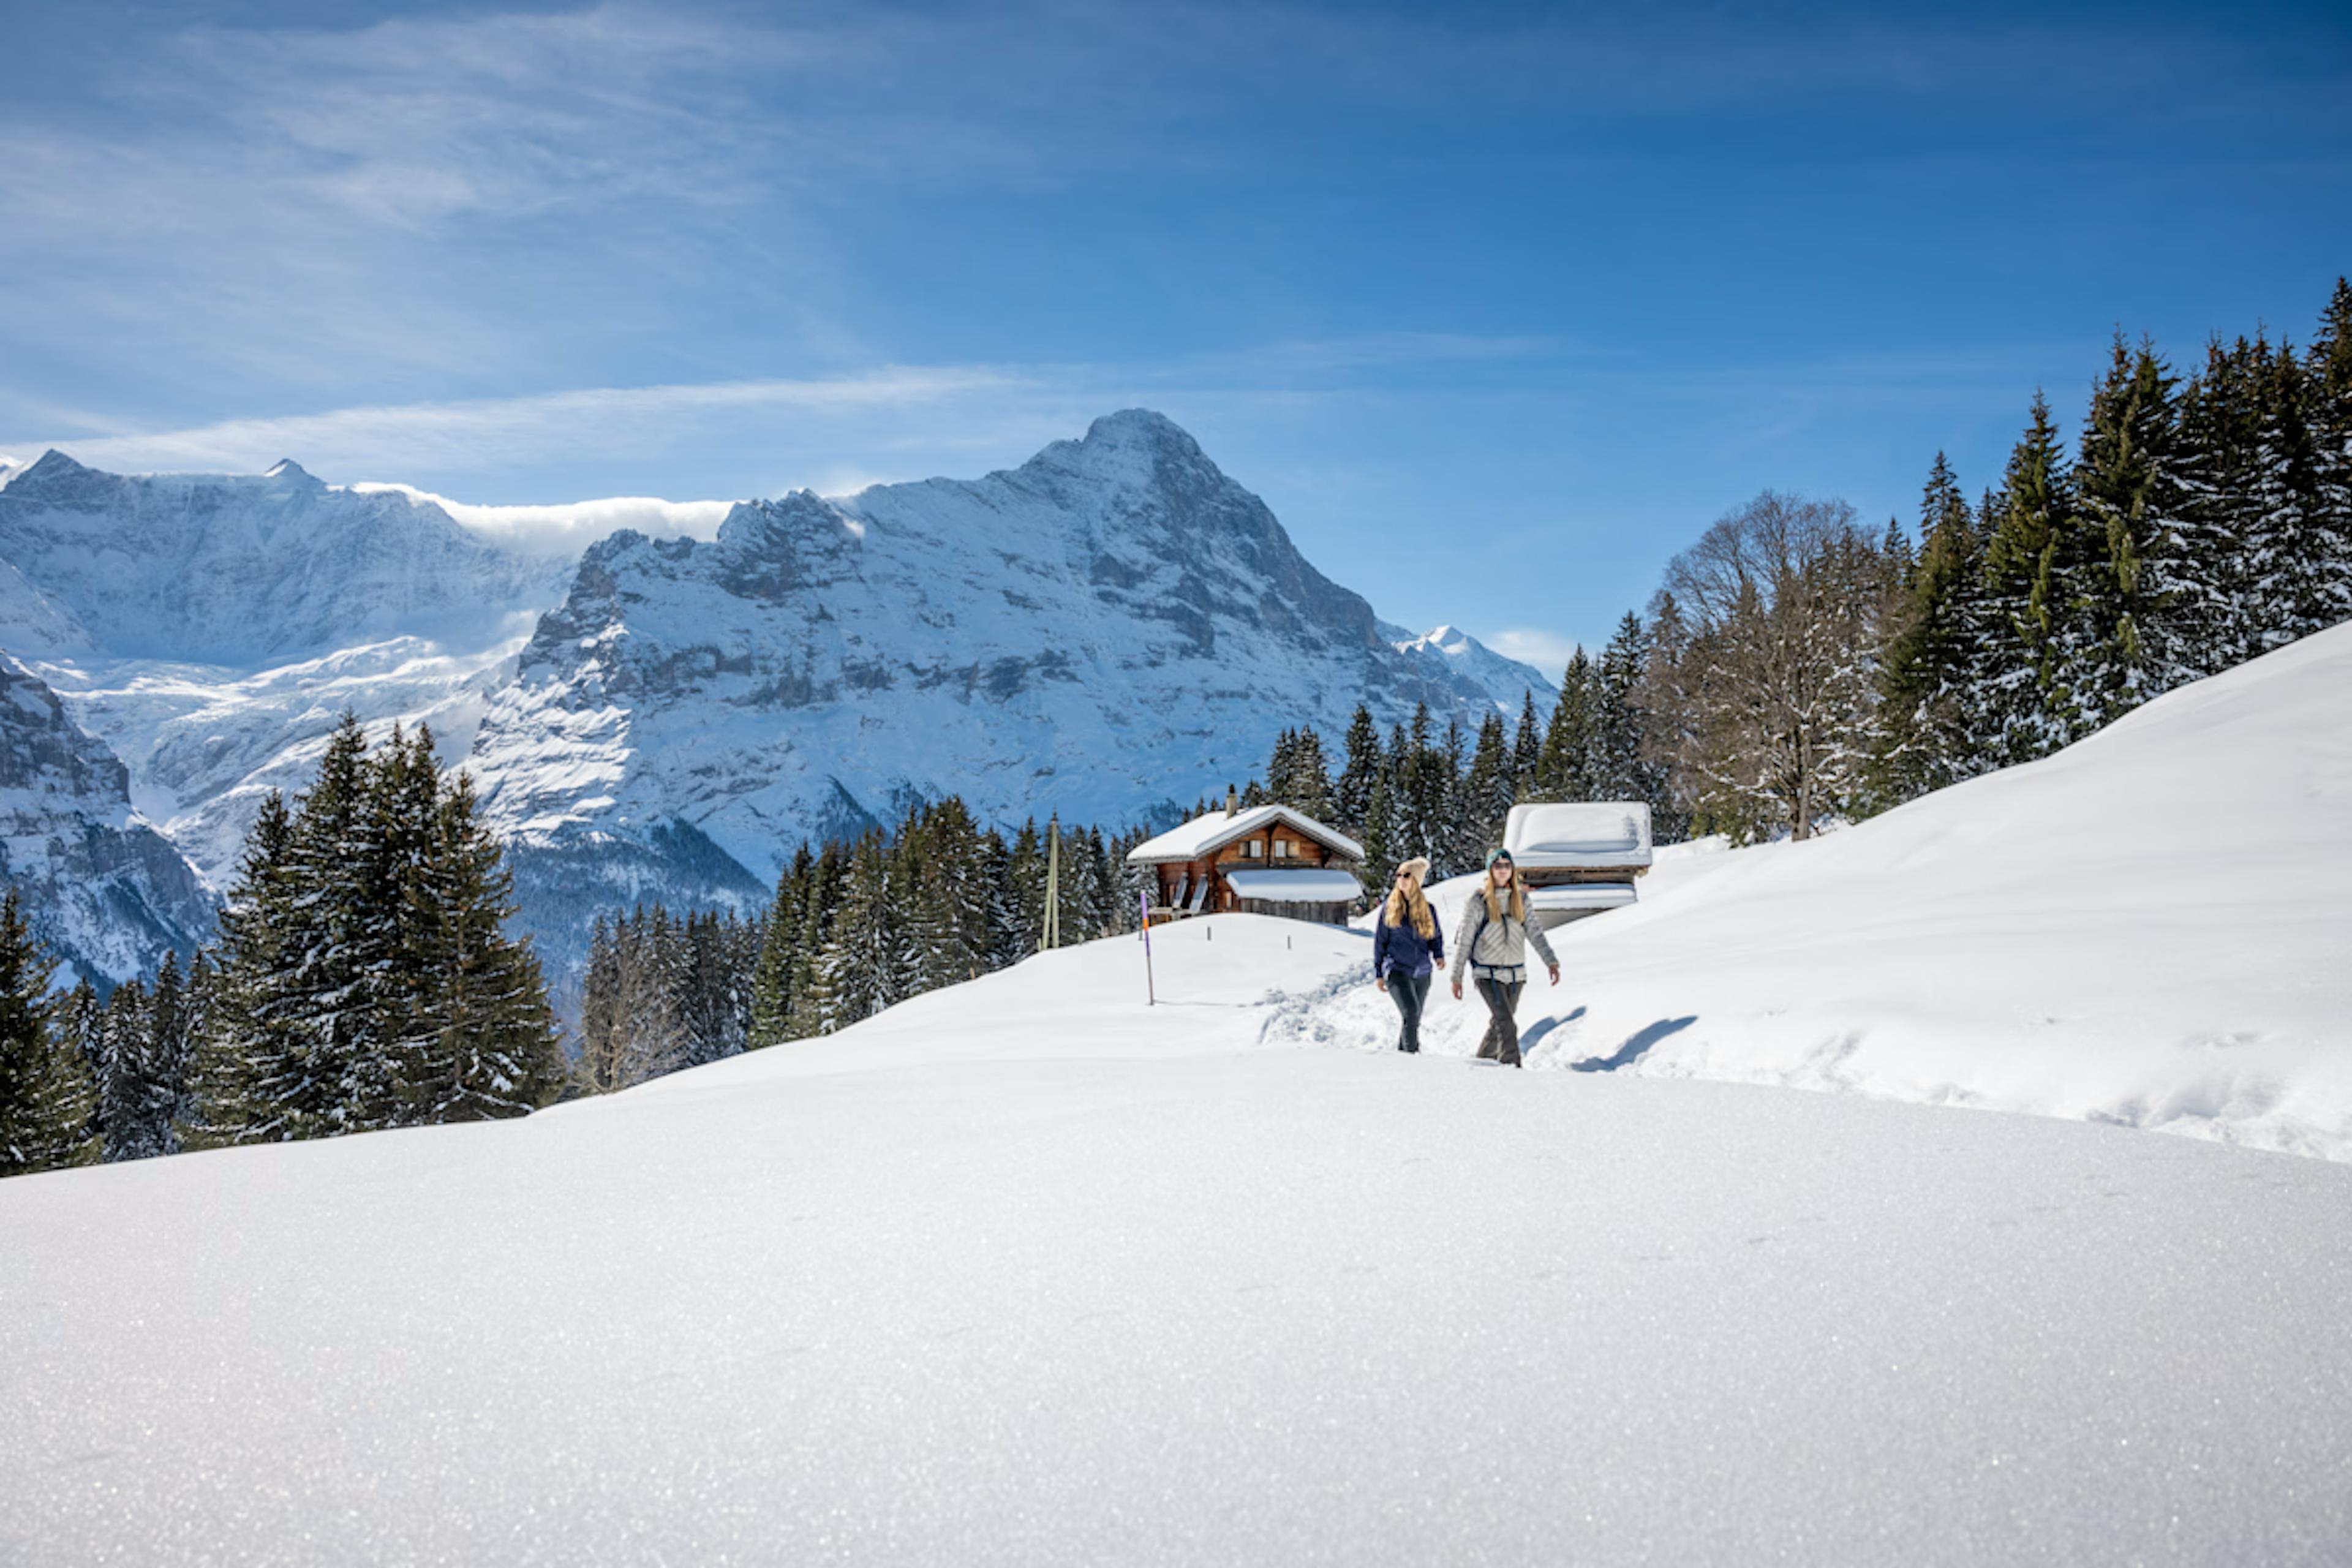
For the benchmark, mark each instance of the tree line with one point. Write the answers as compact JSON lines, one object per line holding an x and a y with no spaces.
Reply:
{"x":851,"y":930}
{"x":1795,"y":669}
{"x":362,"y":979}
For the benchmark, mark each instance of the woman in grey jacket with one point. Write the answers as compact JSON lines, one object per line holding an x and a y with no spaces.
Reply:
{"x":1492,"y":942}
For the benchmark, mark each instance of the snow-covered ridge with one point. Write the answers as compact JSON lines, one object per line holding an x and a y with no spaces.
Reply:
{"x":100,"y":886}
{"x":240,"y":569}
{"x":1456,"y":651}
{"x":1107,"y":630}
{"x":2148,"y":928}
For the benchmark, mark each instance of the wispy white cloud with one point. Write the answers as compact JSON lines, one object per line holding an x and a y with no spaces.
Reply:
{"x":841,"y":433}
{"x":484,"y":433}
{"x":566,"y":528}
{"x":1548,"y":651}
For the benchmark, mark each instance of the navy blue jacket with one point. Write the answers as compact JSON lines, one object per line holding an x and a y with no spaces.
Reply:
{"x":1404,"y":949}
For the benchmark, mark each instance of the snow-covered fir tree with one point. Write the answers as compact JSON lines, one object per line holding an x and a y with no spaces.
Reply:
{"x":365,"y":978}
{"x":48,"y":1097}
{"x":1367,"y":761}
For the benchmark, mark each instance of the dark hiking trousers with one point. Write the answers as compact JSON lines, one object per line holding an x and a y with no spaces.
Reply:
{"x":1410,"y":995}
{"x":1501,"y":1041}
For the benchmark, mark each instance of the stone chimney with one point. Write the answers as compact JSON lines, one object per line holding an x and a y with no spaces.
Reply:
{"x":1233,"y":802}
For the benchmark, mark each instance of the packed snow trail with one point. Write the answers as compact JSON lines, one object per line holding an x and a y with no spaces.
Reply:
{"x":2150,"y":928}
{"x":1026,"y":1272}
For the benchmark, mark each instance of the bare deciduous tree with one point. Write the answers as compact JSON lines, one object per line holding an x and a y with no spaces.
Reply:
{"x":1766,"y":704}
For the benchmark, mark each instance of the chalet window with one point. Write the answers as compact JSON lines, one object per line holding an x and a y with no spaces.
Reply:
{"x":1253,"y":850}
{"x":1284,"y":849}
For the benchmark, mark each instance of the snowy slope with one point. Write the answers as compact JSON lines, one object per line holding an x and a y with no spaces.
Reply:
{"x":2150,"y":928}
{"x":1024,"y":1272}
{"x":1106,"y":631}
{"x":107,"y":893}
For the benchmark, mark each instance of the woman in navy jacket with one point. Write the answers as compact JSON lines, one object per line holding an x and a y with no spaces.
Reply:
{"x":1408,"y":947}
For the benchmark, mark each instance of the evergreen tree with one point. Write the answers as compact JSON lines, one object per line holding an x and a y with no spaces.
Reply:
{"x":2220,"y":431}
{"x":136,"y":1089}
{"x":248,"y":1043}
{"x":172,"y":1020}
{"x":1563,"y":769}
{"x":368,"y":903}
{"x":1308,"y":787}
{"x":631,"y":1027}
{"x":1930,"y":733}
{"x":2328,"y":377}
{"x":1669,"y":726}
{"x":2286,"y":540}
{"x":771,"y":980}
{"x":1382,"y":854}
{"x":2127,"y":480}
{"x":1487,"y":792}
{"x":1527,"y":749}
{"x":1367,"y":763}
{"x":2042,"y":565}
{"x":79,"y":1019}
{"x":705,"y":1009}
{"x":1278,"y":765}
{"x":955,"y":900}
{"x":1423,"y":789}
{"x":477,"y":1040}
{"x":1024,"y":906}
{"x":48,"y":1100}
{"x":1613,"y":747}
{"x":329,"y":1080}
{"x":826,"y":876}
{"x":856,"y":976}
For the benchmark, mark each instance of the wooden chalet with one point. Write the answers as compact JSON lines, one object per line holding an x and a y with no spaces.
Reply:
{"x":1264,"y":860}
{"x":1578,"y":857}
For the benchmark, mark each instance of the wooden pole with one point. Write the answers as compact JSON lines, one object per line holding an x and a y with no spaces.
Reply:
{"x":1051,"y":935}
{"x":1150,"y":991}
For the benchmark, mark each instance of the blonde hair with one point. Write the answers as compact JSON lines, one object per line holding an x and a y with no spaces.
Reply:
{"x":1423,"y":920}
{"x":1518,"y":897}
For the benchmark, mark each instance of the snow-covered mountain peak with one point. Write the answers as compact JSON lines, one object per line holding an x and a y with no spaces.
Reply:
{"x":1133,"y":449}
{"x":288,"y":471}
{"x":50,"y":472}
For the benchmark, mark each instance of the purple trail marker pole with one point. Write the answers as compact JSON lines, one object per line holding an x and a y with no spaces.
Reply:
{"x":1150,"y":991}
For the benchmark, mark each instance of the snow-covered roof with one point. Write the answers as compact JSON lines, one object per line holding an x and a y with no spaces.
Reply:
{"x":1204,"y":835}
{"x":1579,"y":833}
{"x":1581,"y":896}
{"x":1310,"y":885}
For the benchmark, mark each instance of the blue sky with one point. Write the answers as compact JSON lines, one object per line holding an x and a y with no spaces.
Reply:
{"x":1497,"y":307}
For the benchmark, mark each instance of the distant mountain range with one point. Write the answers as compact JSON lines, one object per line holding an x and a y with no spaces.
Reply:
{"x":1111,"y":630}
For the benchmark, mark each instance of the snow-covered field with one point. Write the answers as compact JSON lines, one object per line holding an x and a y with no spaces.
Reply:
{"x":1028,"y":1271}
{"x":2152,"y":927}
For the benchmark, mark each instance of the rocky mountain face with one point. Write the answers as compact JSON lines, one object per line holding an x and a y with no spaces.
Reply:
{"x":212,"y":628}
{"x":240,"y":569}
{"x":1109,"y":631}
{"x":108,"y":893}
